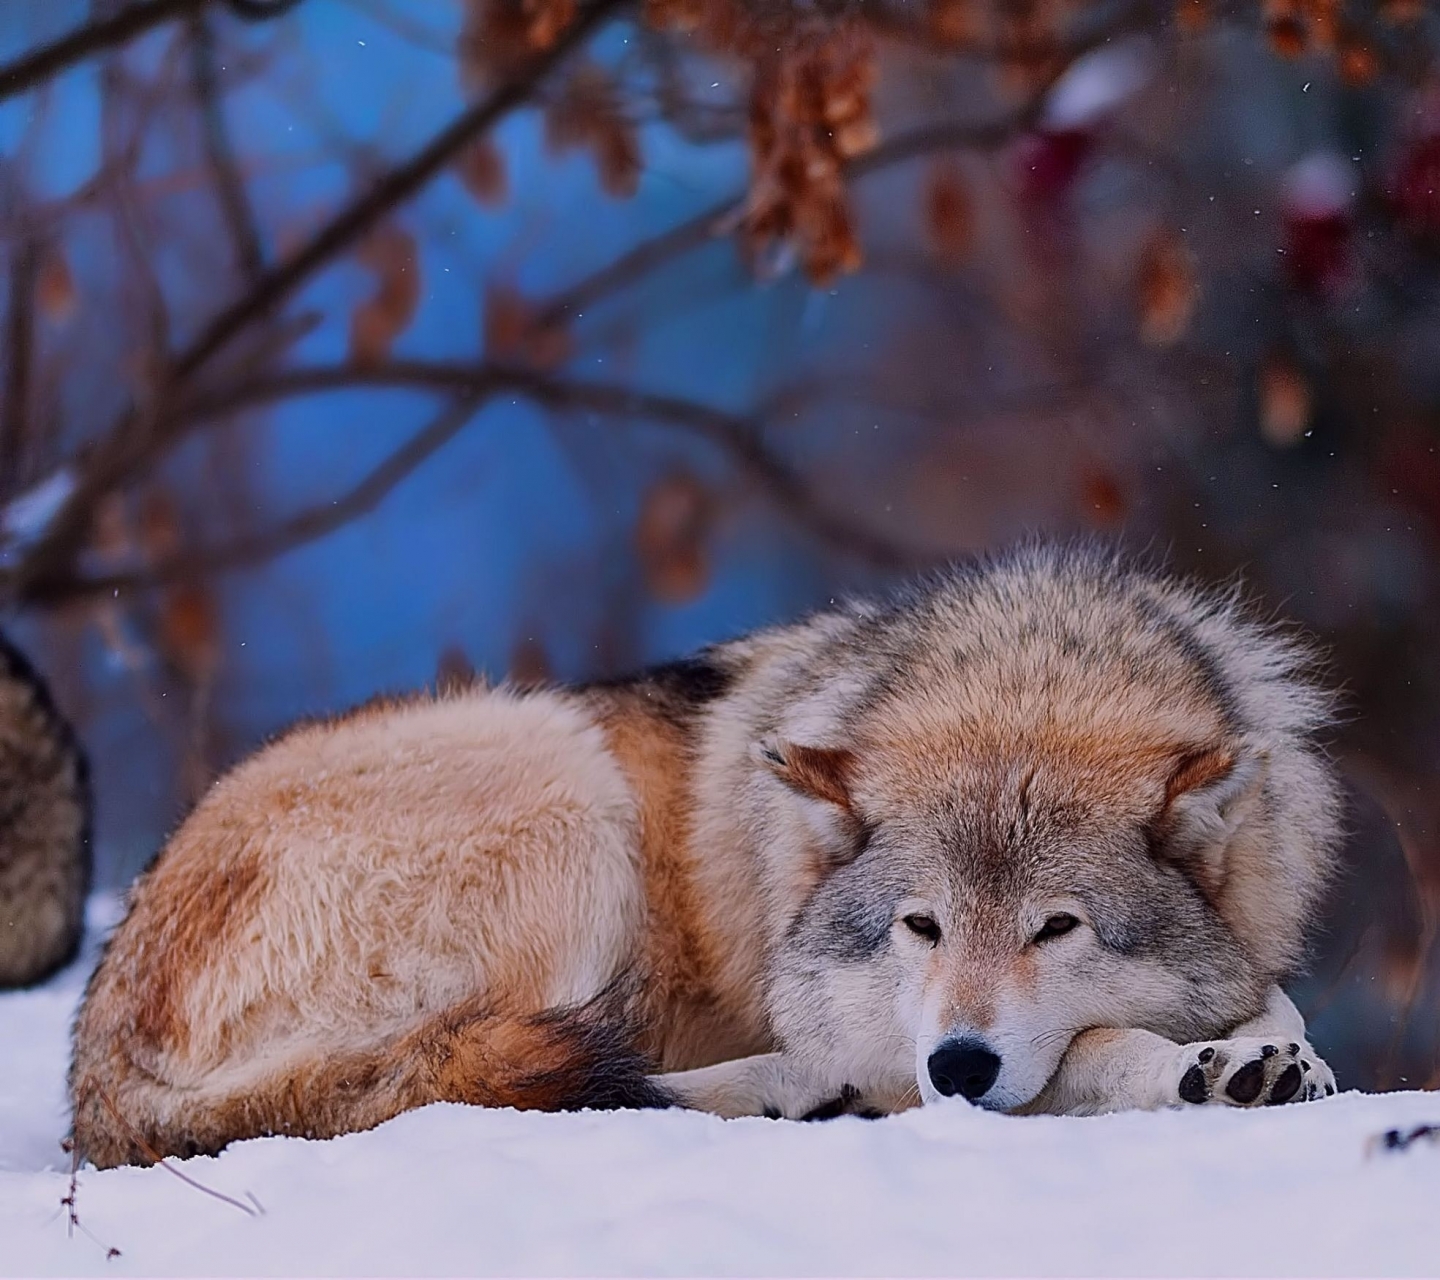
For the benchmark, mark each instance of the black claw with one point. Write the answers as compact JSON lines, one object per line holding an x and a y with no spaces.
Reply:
{"x":1329,"y":1089}
{"x":1206,"y":1054}
{"x":1294,"y":1049}
{"x":1245,"y":1084}
{"x":840,"y":1106}
{"x":1305,"y":1064}
{"x":1287,"y":1085}
{"x":1192,"y":1084}
{"x":1269,"y":1051}
{"x":771,"y":1113}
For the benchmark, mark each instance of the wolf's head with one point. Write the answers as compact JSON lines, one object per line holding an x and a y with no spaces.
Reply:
{"x":1063,"y":805}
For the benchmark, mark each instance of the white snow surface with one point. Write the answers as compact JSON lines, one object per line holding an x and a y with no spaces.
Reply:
{"x":946,"y":1190}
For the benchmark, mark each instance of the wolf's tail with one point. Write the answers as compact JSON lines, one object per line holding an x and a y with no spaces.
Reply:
{"x":564,"y":1059}
{"x":44,"y":828}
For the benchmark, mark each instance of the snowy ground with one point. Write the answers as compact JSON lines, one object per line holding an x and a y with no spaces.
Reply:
{"x":951,"y":1190}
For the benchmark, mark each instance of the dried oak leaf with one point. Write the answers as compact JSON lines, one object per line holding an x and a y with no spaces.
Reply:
{"x":529,"y":664}
{"x":676,"y":515}
{"x":1285,"y":402}
{"x":390,"y":254}
{"x":588,"y":115}
{"x":189,"y":629}
{"x":55,"y":286}
{"x":1167,"y":290}
{"x":498,"y":37}
{"x":481,"y":170}
{"x":949,"y":212}
{"x":514,"y":332}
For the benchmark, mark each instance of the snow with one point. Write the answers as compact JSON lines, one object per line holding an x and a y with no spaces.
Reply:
{"x":948,"y":1189}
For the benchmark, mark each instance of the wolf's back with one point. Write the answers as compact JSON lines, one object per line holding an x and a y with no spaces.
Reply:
{"x":44,"y":828}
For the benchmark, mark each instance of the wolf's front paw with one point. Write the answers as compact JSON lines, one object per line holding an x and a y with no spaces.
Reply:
{"x":1252,"y":1072}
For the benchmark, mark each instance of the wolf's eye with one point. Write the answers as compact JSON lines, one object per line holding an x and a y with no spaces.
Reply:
{"x":925,"y":926}
{"x":1055,"y":925}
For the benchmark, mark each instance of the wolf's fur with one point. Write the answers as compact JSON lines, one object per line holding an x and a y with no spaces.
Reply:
{"x":519,"y":900}
{"x":44,"y":828}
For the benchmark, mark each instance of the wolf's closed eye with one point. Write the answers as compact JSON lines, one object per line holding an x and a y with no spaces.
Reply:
{"x":925,"y":926}
{"x":1055,"y":925}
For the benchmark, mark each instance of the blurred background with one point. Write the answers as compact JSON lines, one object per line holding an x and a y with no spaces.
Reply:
{"x":359,"y":345}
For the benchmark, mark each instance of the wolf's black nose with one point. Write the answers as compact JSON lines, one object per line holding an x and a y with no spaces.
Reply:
{"x":965,"y":1067}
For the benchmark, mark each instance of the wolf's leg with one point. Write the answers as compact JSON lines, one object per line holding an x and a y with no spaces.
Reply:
{"x":767,"y":1084}
{"x":1265,"y":1061}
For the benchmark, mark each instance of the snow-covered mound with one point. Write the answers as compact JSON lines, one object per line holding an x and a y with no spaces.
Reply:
{"x":946,"y":1190}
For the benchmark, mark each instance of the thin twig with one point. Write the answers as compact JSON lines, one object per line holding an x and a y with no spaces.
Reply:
{"x":89,"y":1085}
{"x":739,"y":436}
{"x":233,"y":198}
{"x":136,"y":442}
{"x":309,"y":525}
{"x":19,"y":346}
{"x":87,"y":41}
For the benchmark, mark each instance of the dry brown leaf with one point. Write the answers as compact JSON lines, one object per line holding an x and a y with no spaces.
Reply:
{"x":1193,"y":16}
{"x":1286,"y":30}
{"x":159,"y":525}
{"x":481,"y":170}
{"x":953,"y":22}
{"x":391,"y":255}
{"x":454,"y":672}
{"x":515,"y":333}
{"x":1285,"y":402}
{"x":1167,"y":288}
{"x":497,"y":37}
{"x":55,"y":286}
{"x":676,"y":515}
{"x":1357,"y":61}
{"x":110,"y":533}
{"x":529,"y":664}
{"x":949,"y":212}
{"x":588,"y":115}
{"x":1103,"y":498}
{"x":189,"y":629}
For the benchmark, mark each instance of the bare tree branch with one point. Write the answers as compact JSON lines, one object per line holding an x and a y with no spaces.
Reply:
{"x":394,"y":188}
{"x":19,"y":354}
{"x":309,"y":525}
{"x":740,"y":436}
{"x":110,"y":33}
{"x":138,"y":440}
{"x":469,"y":385}
{"x":230,"y":190}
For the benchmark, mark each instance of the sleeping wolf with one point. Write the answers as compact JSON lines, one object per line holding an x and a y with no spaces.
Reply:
{"x":1042,"y":832}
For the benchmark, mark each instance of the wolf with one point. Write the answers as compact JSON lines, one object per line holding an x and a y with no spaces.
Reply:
{"x":44,"y":828}
{"x":1041,"y":833}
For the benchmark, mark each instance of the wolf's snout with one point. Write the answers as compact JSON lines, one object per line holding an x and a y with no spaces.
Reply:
{"x":966,"y":1067}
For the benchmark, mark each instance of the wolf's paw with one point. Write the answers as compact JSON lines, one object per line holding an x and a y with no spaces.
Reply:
{"x":1252,"y":1072}
{"x":848,"y":1103}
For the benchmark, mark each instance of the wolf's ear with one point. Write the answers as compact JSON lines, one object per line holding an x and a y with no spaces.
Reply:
{"x":819,"y":773}
{"x":1209,"y":793}
{"x":820,"y":778}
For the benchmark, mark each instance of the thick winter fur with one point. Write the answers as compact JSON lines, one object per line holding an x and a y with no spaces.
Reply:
{"x":44,"y":829}
{"x":1051,"y":810}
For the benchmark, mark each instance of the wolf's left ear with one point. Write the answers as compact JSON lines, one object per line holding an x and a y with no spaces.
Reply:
{"x":820,"y":773}
{"x":1209,"y":793}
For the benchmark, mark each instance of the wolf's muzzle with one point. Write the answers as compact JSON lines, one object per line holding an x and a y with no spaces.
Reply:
{"x":966,"y":1067}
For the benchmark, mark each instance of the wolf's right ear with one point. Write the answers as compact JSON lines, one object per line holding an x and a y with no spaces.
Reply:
{"x":821,"y":773}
